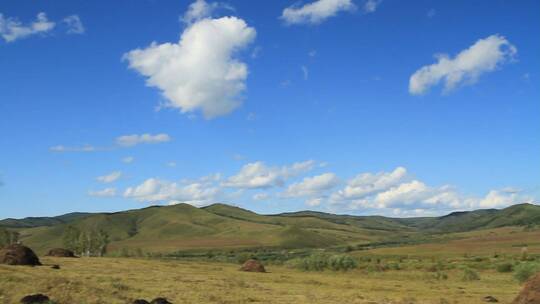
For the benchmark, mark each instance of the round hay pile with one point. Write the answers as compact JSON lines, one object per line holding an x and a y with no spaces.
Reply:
{"x":160,"y":301}
{"x":61,"y":253}
{"x":530,"y":294}
{"x":253,"y":266}
{"x":17,"y":254}
{"x":35,"y":299}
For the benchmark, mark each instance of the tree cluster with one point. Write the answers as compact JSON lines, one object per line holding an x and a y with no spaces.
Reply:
{"x":8,"y":237}
{"x":86,"y":243}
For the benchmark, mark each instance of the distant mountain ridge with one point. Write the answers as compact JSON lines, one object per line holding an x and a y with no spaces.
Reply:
{"x":182,"y":226}
{"x":29,"y":222}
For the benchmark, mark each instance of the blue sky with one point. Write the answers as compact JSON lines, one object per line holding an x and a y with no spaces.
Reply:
{"x":363,"y":107}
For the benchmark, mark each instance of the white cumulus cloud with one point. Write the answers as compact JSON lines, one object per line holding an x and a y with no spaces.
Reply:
{"x":366,"y":184}
{"x":312,"y":186}
{"x":485,"y":55}
{"x":316,"y":12}
{"x":12,"y":29}
{"x":201,"y":71}
{"x":156,"y":190}
{"x":395,"y":193}
{"x":416,"y":192}
{"x":259,"y":175}
{"x":502,"y":198}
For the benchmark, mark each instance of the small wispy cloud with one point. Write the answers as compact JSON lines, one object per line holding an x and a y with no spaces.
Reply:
{"x":74,"y":25}
{"x":316,"y":12}
{"x":125,"y":141}
{"x":12,"y":29}
{"x":200,"y":9}
{"x":109,"y":178}
{"x":62,"y":148}
{"x":305,"y":72}
{"x":107,"y":192}
{"x":256,"y":52}
{"x":136,"y":139}
{"x":370,"y":6}
{"x":128,"y":159}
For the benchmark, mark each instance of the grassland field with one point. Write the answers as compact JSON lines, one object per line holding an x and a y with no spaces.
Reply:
{"x":120,"y":280}
{"x":425,"y":273}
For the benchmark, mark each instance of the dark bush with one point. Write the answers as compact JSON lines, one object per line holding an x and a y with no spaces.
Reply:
{"x":505,"y":267}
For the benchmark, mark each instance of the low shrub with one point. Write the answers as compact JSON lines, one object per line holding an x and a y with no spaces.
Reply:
{"x":505,"y":267}
{"x":376,"y":268}
{"x":243,"y":257}
{"x":320,"y":262}
{"x":479,"y":259}
{"x":342,"y":263}
{"x":431,"y":268}
{"x":441,"y":276}
{"x":394,"y":266}
{"x":525,"y":270}
{"x":524,"y":253}
{"x":314,"y":262}
{"x":470,"y":275}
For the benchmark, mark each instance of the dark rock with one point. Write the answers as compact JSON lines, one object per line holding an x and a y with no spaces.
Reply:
{"x":17,"y":254}
{"x":140,"y":301}
{"x":490,"y":299}
{"x":35,"y":299}
{"x":55,"y":266}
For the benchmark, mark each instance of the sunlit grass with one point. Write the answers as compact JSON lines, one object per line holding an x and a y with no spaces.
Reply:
{"x":119,"y":280}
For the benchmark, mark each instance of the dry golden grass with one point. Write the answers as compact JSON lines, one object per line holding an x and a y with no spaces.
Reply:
{"x":117,"y":280}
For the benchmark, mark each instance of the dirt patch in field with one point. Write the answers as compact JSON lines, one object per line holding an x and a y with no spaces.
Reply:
{"x":253,"y":266}
{"x":18,"y":255}
{"x":530,"y":294}
{"x":61,"y":253}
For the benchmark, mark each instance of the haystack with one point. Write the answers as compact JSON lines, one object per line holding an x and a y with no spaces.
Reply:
{"x":530,"y":294}
{"x":160,"y":301}
{"x":253,"y":266}
{"x":61,"y":253}
{"x":17,"y":254}
{"x":35,"y":299}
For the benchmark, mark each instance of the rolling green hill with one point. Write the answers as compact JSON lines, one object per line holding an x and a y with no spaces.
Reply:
{"x":183,"y":227}
{"x":42,"y":221}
